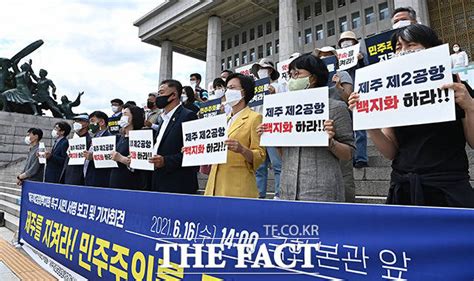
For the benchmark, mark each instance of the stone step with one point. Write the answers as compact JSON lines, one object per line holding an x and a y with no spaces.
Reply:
{"x":371,"y":199}
{"x":15,"y":199}
{"x":10,"y":190}
{"x":9,"y":184}
{"x":11,"y":222}
{"x":11,"y":208}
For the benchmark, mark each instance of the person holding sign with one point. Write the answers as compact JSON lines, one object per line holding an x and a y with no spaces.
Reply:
{"x":169,"y":175}
{"x":133,"y":118}
{"x":56,"y":158}
{"x":236,"y":178}
{"x":33,"y":170}
{"x":314,"y":173}
{"x":429,"y":162}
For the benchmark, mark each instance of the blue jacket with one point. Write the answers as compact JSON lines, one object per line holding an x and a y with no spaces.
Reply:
{"x":55,"y":164}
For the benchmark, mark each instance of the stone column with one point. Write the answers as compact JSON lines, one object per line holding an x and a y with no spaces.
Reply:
{"x":288,"y":32}
{"x":420,"y":6}
{"x":166,"y":61}
{"x":213,"y":50}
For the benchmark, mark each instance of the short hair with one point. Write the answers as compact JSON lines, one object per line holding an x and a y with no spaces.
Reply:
{"x":138,"y":117}
{"x":37,"y":132}
{"x":174,"y":84}
{"x":100,"y":115}
{"x":189,"y":92}
{"x":197,"y":75}
{"x":416,"y":33}
{"x":152,"y":94}
{"x":131,"y":103}
{"x":409,"y":10}
{"x":64,"y":126}
{"x":218,"y":82}
{"x":119,"y":101}
{"x":227,"y":71}
{"x":247,"y":83}
{"x":314,"y":65}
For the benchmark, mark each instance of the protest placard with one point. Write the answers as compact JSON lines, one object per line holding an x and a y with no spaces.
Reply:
{"x":102,"y":149}
{"x":405,"y":91}
{"x":141,"y":149}
{"x":283,"y":68}
{"x":210,"y":108}
{"x":348,"y":57}
{"x":379,"y":47}
{"x":203,"y":141}
{"x":331,"y":64}
{"x":77,"y":146}
{"x":261,"y":89}
{"x":113,"y":124}
{"x":245,"y":70}
{"x":41,"y":153}
{"x":296,"y":121}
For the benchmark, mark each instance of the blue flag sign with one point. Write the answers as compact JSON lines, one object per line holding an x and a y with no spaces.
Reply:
{"x":379,"y":47}
{"x":210,"y":108}
{"x":134,"y":235}
{"x":261,"y":89}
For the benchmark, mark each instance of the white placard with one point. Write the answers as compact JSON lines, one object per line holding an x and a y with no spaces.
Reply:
{"x":102,"y":148}
{"x":203,"y":141}
{"x":282,"y":68}
{"x":297,"y":120}
{"x":348,"y":57}
{"x":77,"y":146}
{"x":41,"y":153}
{"x":405,"y":91}
{"x":245,"y":70}
{"x":141,"y":149}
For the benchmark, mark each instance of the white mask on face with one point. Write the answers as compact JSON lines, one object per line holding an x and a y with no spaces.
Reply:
{"x":345,"y":44}
{"x":219,"y":93}
{"x":407,"y":52}
{"x":54,"y":134}
{"x":123,"y":122}
{"x":262,"y":73}
{"x":232,"y":97}
{"x":401,"y":23}
{"x":184,"y":98}
{"x":456,"y":49}
{"x":27,"y":140}
{"x":114,"y":108}
{"x":76,"y":127}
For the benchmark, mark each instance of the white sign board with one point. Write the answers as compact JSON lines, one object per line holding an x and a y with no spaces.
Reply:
{"x":204,"y":141}
{"x":77,"y":146}
{"x":245,"y":70}
{"x":405,"y":91}
{"x":141,"y":149}
{"x":296,"y":121}
{"x":42,"y":153}
{"x":282,"y":68}
{"x":348,"y":57}
{"x":102,"y":149}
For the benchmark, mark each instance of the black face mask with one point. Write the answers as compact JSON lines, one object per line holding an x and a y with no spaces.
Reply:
{"x":162,"y":101}
{"x":150,"y":104}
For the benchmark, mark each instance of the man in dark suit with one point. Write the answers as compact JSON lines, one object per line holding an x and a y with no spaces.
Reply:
{"x":56,"y":157}
{"x":169,"y":175}
{"x":98,"y":121}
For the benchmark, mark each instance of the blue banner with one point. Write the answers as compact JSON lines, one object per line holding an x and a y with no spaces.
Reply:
{"x":133,"y":235}
{"x":331,"y":64}
{"x":261,"y":89}
{"x":210,"y":108}
{"x":379,"y":47}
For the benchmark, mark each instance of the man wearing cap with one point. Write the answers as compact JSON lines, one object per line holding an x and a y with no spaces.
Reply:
{"x":348,"y":39}
{"x":74,"y":174}
{"x":116,"y":105}
{"x":263,"y":69}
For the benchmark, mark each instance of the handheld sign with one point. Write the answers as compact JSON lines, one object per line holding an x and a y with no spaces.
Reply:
{"x":348,"y":57}
{"x":331,"y":64}
{"x":298,"y":121}
{"x":405,"y":91}
{"x":141,"y":149}
{"x":102,"y":152}
{"x":261,"y":89}
{"x":113,"y":124}
{"x":210,"y":108}
{"x":41,"y":153}
{"x":77,"y":146}
{"x":283,"y":68}
{"x":203,"y":141}
{"x":379,"y":47}
{"x":245,"y":70}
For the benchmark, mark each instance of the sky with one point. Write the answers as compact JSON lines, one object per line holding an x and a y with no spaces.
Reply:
{"x":90,"y":46}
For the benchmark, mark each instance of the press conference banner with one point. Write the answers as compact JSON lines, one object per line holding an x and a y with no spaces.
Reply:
{"x":100,"y":233}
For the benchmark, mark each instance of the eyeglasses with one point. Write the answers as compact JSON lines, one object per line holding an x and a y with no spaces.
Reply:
{"x":295,"y":74}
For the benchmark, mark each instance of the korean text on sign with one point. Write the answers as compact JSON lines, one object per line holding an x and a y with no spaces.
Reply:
{"x":347,"y":57}
{"x":405,"y":91}
{"x":298,"y":121}
{"x":102,"y":149}
{"x":77,"y":146}
{"x":204,"y":141}
{"x":141,"y":149}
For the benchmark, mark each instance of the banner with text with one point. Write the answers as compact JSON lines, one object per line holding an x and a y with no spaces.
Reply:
{"x":348,"y":57}
{"x":261,"y":89}
{"x":99,"y":233}
{"x":210,"y":108}
{"x":102,"y":149}
{"x":296,"y":121}
{"x":141,"y":149}
{"x":42,"y":153}
{"x":245,"y":70}
{"x":379,"y":47}
{"x":77,"y":146}
{"x":283,"y":68}
{"x":203,"y":141}
{"x":405,"y":91}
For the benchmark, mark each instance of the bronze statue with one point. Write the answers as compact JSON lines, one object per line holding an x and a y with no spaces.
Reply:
{"x":20,"y":99}
{"x":41,"y":93}
{"x":67,"y":105}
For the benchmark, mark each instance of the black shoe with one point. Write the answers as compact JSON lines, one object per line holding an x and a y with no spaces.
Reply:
{"x":361,"y":164}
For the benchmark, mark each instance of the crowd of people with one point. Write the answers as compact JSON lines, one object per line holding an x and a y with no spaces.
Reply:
{"x":429,"y":162}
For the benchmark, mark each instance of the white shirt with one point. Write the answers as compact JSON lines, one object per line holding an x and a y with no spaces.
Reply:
{"x":460,"y":59}
{"x":233,"y":118}
{"x":166,"y":120}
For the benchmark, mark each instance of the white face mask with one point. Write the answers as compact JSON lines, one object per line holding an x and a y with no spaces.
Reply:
{"x":407,"y":52}
{"x":456,"y":49}
{"x":76,"y":127}
{"x":262,"y":73}
{"x":232,"y":97}
{"x":401,"y":23}
{"x":184,"y":98}
{"x":114,"y":108}
{"x":54,"y":134}
{"x":123,"y":122}
{"x":219,"y":93}
{"x":345,"y":44}
{"x":27,"y":140}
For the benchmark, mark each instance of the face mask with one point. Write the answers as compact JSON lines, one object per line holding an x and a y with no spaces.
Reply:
{"x":219,"y":93}
{"x":193,"y":84}
{"x":407,"y":52}
{"x":298,"y":84}
{"x":162,"y":101}
{"x":262,"y":73}
{"x":54,"y":134}
{"x":115,"y":108}
{"x":27,"y":140}
{"x":76,"y":127}
{"x":93,"y":128}
{"x":227,"y":109}
{"x":456,"y":49}
{"x":184,"y":98}
{"x":401,"y":23}
{"x":149,"y":104}
{"x":123,"y":122}
{"x":345,"y":44}
{"x":233,"y":97}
